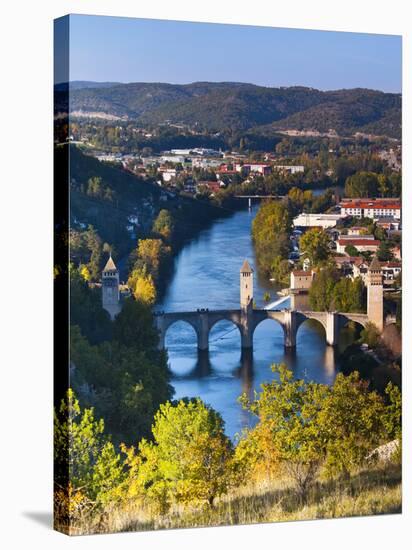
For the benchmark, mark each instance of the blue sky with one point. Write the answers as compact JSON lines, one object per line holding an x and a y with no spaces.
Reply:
{"x":143,"y":50}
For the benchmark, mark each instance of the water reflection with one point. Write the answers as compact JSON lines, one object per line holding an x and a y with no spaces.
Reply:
{"x":207,"y":275}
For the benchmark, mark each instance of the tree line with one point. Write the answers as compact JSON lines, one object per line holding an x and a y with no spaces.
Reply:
{"x":305,"y":432}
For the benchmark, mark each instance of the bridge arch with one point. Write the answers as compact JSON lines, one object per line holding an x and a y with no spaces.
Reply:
{"x":176,"y":321}
{"x":345,"y":319}
{"x":274,"y":325}
{"x":308,"y":320}
{"x":302,"y":317}
{"x":234,"y":327}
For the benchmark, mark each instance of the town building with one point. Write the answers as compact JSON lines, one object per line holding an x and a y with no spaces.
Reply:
{"x":317,"y":220}
{"x":362,"y":237}
{"x":200,"y":162}
{"x":357,"y":230}
{"x":390,"y":270}
{"x":248,"y":167}
{"x":168,"y":174}
{"x":361,"y":244}
{"x":289,"y":168}
{"x":371,"y":208}
{"x":301,"y":280}
{"x":212,"y":186}
{"x":388,"y":223}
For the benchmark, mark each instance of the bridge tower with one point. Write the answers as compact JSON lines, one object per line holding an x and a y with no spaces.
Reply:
{"x":246,"y":286}
{"x":246,"y":305}
{"x":110,"y":289}
{"x":375,"y":293}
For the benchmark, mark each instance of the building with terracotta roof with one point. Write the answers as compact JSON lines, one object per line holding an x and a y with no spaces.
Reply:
{"x":371,"y":208}
{"x":363,"y":245}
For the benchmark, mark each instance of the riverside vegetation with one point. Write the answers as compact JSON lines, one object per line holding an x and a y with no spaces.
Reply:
{"x":307,"y":457}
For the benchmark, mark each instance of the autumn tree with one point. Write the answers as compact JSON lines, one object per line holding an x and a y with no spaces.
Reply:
{"x":88,"y":471}
{"x":288,"y":433}
{"x":315,"y":245}
{"x":308,"y":428}
{"x":151,"y":253}
{"x":142,"y":286}
{"x":187,"y":461}
{"x":352,"y":422}
{"x":270,"y":232}
{"x":164,"y":225}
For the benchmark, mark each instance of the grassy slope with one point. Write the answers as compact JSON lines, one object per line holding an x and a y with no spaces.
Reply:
{"x":371,"y":491}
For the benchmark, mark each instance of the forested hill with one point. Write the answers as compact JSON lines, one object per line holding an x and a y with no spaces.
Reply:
{"x":106,"y":197}
{"x":227,"y":106}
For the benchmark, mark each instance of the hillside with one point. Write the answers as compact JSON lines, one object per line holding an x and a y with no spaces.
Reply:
{"x":237,"y":106}
{"x":108,"y":204}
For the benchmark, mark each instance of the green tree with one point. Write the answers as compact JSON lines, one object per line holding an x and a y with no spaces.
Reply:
{"x":164,"y":225}
{"x":126,"y":379}
{"x":370,"y":335}
{"x":134,"y":326}
{"x":351,"y":420}
{"x":351,"y":250}
{"x":288,"y":411}
{"x":309,"y":428}
{"x":393,"y":412}
{"x":315,"y":245}
{"x":349,"y":295}
{"x":362,"y":184}
{"x":384,"y":252}
{"x":322,"y":289}
{"x":270,"y":232}
{"x":384,"y":185}
{"x":188,"y":461}
{"x":88,"y":471}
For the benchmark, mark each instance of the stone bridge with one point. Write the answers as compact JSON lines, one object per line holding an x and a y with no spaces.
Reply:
{"x":247,"y":319}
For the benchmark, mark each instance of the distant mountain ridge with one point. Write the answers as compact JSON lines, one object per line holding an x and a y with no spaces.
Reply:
{"x":228,"y":106}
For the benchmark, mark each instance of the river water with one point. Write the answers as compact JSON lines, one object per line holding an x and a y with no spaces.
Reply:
{"x":206,"y":275}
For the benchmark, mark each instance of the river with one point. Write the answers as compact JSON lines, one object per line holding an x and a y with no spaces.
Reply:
{"x":206,"y":275}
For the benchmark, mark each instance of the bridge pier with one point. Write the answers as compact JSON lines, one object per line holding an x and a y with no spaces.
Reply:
{"x":290,"y":329}
{"x":332,"y":328}
{"x":203,"y":332}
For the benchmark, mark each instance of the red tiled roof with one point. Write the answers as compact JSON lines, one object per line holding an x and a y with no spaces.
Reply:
{"x":371,"y":203}
{"x":358,"y":242}
{"x":301,"y":273}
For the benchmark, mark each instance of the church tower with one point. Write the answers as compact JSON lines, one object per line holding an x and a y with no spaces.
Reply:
{"x":375,"y":293}
{"x":246,"y":286}
{"x":110,"y":288}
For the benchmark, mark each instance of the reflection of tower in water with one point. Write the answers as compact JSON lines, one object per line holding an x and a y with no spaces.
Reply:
{"x":329,"y":362}
{"x":246,"y":375}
